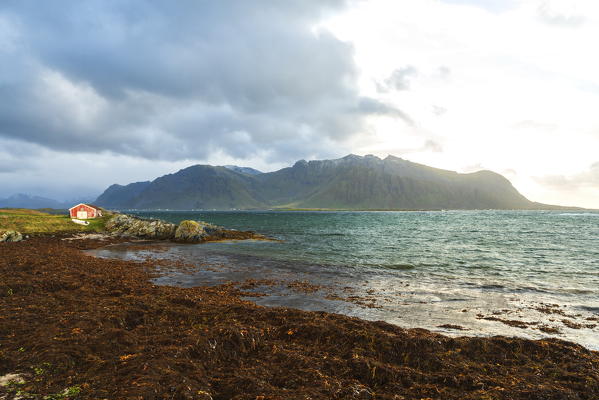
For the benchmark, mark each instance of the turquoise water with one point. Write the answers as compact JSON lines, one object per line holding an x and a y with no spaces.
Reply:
{"x":423,"y":269}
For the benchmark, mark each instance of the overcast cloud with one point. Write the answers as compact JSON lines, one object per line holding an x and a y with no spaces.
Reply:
{"x":124,"y":91}
{"x":587,"y":179}
{"x":179,"y":80}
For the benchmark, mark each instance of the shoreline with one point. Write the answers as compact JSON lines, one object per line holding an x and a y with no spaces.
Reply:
{"x":564,"y":209}
{"x":279,"y":283}
{"x":85,"y":316}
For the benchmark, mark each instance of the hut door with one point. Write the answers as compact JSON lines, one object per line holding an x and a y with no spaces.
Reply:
{"x":82,"y":214}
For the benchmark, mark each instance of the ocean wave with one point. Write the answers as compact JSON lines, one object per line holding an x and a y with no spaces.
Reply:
{"x":585,"y":214}
{"x":492,"y":286}
{"x":576,"y":291}
{"x":594,"y":310}
{"x":403,"y":267}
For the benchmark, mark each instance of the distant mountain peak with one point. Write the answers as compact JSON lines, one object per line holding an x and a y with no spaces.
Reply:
{"x":355,"y":157}
{"x":21,"y":200}
{"x":393,"y":158}
{"x":243,"y":170}
{"x":18,"y":196}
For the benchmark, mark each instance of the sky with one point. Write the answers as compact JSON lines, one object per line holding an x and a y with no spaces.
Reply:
{"x":101,"y":92}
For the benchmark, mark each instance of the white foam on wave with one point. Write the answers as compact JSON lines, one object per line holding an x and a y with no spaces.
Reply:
{"x":588,"y":214}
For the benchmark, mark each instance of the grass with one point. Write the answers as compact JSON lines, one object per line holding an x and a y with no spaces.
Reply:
{"x":33,"y":221}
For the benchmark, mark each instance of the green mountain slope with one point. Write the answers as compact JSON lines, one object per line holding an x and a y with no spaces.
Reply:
{"x":351,"y":182}
{"x":199,"y":187}
{"x":118,"y":195}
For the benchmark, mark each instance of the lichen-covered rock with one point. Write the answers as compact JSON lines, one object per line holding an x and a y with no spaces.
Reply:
{"x":10,"y":236}
{"x":187,"y":231}
{"x":126,"y":225}
{"x":191,"y":231}
{"x":199,"y":231}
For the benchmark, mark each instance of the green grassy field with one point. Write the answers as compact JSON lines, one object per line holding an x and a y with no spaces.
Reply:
{"x":33,"y":221}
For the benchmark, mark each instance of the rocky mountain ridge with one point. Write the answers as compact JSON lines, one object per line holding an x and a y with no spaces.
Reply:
{"x":351,"y":182}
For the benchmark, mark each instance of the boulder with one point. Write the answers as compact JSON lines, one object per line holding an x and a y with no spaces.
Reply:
{"x":126,"y":225}
{"x":194,"y":231}
{"x":187,"y":231}
{"x":10,"y":236}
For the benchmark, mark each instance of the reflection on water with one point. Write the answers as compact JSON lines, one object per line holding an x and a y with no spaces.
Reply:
{"x":477,"y":270}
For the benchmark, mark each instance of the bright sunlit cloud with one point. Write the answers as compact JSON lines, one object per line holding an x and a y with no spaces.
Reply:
{"x":512,"y":89}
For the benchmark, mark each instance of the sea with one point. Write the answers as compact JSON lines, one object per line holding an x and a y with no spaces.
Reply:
{"x":532,"y":274}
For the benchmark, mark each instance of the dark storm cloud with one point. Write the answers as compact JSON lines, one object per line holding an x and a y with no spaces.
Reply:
{"x":175,"y":80}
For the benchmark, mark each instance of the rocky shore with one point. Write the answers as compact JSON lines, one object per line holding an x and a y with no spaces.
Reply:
{"x":127,"y":226}
{"x":74,"y":326}
{"x":124,"y":225}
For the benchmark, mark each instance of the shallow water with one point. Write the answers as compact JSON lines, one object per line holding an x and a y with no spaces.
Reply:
{"x":418,"y":269}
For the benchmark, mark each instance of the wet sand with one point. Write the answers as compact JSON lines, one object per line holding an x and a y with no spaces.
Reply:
{"x":102,"y":329}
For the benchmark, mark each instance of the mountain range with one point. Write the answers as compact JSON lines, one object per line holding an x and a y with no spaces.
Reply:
{"x":351,"y":182}
{"x":21,"y":200}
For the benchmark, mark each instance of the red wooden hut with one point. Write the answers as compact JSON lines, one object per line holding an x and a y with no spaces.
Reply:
{"x":85,"y":211}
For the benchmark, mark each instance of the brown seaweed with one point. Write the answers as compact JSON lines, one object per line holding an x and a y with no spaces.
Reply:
{"x":81,"y":327}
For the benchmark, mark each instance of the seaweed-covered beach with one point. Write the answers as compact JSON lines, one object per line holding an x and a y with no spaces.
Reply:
{"x":75,"y":326}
